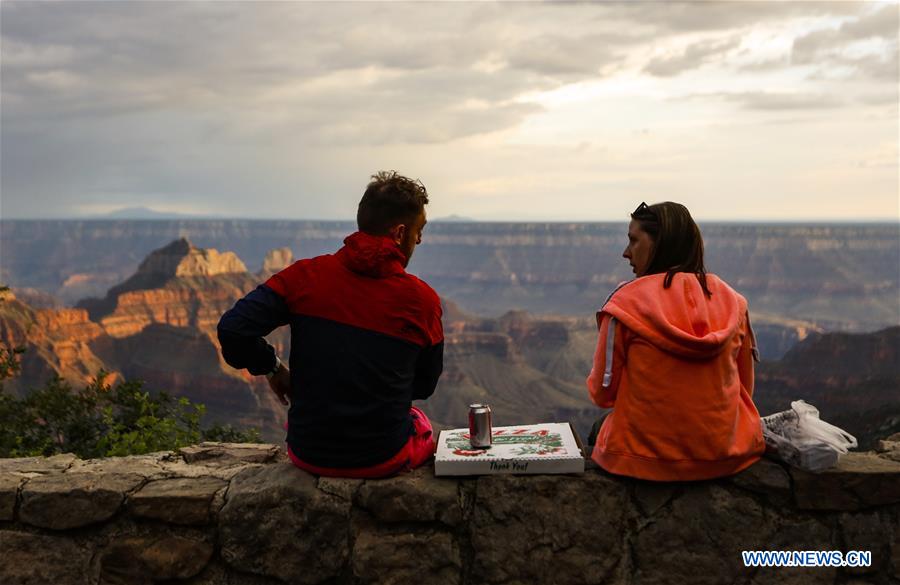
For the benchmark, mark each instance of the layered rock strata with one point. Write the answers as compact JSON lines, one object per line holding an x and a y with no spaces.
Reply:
{"x":178,"y":285}
{"x":58,"y":342}
{"x":242,"y":514}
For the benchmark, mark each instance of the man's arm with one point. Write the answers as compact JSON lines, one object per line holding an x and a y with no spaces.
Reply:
{"x":428,"y":369}
{"x":242,"y":328}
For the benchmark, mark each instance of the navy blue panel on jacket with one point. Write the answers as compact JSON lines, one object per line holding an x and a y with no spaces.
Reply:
{"x":366,"y":340}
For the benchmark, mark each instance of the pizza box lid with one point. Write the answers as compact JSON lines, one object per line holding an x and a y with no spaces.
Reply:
{"x":520,"y":449}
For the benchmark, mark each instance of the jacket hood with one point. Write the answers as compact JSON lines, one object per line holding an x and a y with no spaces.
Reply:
{"x":679,"y":319}
{"x":373,"y":256}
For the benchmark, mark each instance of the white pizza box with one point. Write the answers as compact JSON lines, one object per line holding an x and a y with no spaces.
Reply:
{"x":526,"y":449}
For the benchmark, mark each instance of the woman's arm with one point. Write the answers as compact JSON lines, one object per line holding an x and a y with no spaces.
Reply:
{"x":609,"y":358}
{"x":746,"y":356}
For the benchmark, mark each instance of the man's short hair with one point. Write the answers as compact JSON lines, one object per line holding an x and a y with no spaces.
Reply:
{"x":390,"y":199}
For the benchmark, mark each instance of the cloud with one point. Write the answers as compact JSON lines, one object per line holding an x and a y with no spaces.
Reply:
{"x":879,"y":24}
{"x":831,"y":47}
{"x":693,"y":56}
{"x":222,"y":105}
{"x":686,"y":17}
{"x":582,"y":57}
{"x":774,"y":101}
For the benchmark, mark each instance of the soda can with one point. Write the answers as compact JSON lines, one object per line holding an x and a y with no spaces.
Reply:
{"x":480,"y":426}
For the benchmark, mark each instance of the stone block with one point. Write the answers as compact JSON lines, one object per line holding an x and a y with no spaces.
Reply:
{"x":230,"y":453}
{"x":698,"y":538}
{"x":217,"y":573}
{"x":520,"y":535}
{"x":766,"y":477}
{"x":894,"y":561}
{"x":413,"y":497}
{"x":9,"y":490}
{"x":867,"y":531}
{"x":177,"y":500}
{"x":54,"y":464}
{"x":889,"y":448}
{"x":797,"y":533}
{"x":61,"y":501}
{"x":651,"y":496}
{"x":226,"y":471}
{"x":423,"y":557}
{"x":139,"y":560}
{"x":342,"y":487}
{"x":147,"y":466}
{"x":36,"y":559}
{"x":276,"y":523}
{"x":858,"y":481}
{"x":794,"y":576}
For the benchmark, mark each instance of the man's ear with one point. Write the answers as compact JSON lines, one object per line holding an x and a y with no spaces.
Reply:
{"x":398,"y":232}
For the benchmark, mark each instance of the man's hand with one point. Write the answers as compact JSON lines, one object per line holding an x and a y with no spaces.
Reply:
{"x":280,"y":383}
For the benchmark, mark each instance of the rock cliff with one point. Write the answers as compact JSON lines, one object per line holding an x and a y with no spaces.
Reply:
{"x":58,"y":342}
{"x":241,"y":514}
{"x":275,"y":261}
{"x":159,"y":327}
{"x":854,"y":380}
{"x":529,"y":368}
{"x":179,"y":285}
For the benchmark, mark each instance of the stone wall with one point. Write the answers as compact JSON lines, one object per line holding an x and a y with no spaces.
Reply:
{"x":241,"y":514}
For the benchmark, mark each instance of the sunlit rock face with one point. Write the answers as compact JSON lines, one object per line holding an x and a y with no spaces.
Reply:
{"x":57,"y":342}
{"x":275,"y":261}
{"x":179,"y":285}
{"x":230,"y":513}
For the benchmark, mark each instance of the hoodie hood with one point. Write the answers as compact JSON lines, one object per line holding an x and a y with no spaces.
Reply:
{"x":372,"y":256}
{"x":680,"y":319}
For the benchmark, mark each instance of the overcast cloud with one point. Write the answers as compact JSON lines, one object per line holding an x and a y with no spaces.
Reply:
{"x":505,"y":111}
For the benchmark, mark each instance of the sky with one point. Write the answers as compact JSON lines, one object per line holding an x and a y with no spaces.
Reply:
{"x":743,"y":111}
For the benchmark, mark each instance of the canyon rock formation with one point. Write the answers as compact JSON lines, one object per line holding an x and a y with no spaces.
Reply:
{"x":158,"y":325}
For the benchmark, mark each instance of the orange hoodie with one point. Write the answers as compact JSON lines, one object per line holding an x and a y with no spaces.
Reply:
{"x":678,"y":369}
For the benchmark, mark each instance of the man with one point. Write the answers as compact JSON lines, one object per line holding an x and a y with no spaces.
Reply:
{"x":366,"y":340}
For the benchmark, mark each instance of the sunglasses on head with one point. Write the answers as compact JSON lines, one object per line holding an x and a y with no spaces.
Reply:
{"x":644,"y":209}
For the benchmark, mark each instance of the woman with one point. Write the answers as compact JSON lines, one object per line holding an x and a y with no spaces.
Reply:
{"x":675,"y":359}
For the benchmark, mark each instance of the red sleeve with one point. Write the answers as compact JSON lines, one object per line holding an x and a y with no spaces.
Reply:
{"x":278,"y":282}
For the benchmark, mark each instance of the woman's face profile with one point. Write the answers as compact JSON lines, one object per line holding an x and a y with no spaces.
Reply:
{"x":639,"y":248}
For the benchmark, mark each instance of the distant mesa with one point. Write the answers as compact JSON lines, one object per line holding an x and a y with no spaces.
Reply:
{"x":144,"y":213}
{"x":453,"y":218}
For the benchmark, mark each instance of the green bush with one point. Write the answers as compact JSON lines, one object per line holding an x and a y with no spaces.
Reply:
{"x":99,"y":420}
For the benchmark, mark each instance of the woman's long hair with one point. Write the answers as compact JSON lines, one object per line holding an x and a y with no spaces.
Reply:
{"x":677,"y":243}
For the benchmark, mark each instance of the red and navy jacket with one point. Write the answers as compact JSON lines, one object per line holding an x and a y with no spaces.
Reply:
{"x":366,"y":340}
